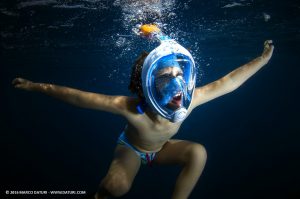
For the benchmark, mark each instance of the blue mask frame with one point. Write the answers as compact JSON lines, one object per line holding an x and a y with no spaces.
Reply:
{"x":169,"y":54}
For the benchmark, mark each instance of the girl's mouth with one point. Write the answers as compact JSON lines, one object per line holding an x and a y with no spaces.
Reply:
{"x":175,"y":102}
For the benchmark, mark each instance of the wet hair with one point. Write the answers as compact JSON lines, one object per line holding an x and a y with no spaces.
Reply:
{"x":135,"y":85}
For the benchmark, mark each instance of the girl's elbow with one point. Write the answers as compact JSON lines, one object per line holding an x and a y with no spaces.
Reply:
{"x":232,"y":86}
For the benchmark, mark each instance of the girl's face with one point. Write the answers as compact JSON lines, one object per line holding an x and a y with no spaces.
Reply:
{"x":168,"y":86}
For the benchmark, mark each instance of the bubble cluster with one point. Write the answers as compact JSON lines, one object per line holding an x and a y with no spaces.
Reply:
{"x":135,"y":13}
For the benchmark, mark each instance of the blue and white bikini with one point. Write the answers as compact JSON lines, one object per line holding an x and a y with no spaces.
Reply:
{"x":146,"y":158}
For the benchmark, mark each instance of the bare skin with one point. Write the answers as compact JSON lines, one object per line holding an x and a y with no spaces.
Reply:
{"x":150,"y":132}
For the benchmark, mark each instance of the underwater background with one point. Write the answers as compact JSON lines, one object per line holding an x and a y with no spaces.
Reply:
{"x":251,"y":135}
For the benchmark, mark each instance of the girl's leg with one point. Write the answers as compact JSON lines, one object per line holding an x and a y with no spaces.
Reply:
{"x":121,"y":173}
{"x":191,"y":156}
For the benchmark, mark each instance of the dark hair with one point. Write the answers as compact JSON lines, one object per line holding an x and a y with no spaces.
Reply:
{"x":135,"y":85}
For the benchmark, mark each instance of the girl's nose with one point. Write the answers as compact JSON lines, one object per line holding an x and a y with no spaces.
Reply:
{"x":174,"y":73}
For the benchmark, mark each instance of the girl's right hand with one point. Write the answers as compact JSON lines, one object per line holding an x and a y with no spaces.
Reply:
{"x":23,"y":84}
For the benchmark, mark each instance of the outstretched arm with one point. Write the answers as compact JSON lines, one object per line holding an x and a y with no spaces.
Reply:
{"x":234,"y":79}
{"x":113,"y":104}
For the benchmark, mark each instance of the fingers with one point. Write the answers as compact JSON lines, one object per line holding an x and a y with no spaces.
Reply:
{"x":20,"y":83}
{"x":268,"y":42}
{"x":268,"y":49}
{"x":16,"y":81}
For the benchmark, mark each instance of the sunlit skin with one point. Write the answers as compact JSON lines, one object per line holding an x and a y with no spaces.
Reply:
{"x":150,"y":132}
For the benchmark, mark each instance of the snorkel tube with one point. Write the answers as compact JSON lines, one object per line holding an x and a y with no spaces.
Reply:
{"x":169,"y":54}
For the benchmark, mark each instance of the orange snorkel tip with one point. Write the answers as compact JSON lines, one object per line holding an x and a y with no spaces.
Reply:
{"x":149,"y":30}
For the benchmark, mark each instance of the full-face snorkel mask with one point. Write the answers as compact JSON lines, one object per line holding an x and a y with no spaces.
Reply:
{"x":168,"y":79}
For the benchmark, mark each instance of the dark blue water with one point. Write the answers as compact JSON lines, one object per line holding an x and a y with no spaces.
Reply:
{"x":251,"y":135}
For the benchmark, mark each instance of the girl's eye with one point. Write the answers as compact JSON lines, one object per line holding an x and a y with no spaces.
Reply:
{"x":179,"y":74}
{"x":166,"y":75}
